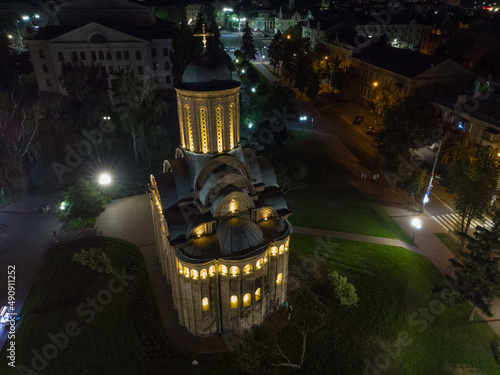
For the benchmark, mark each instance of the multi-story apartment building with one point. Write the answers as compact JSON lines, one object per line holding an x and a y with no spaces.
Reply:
{"x":119,"y":35}
{"x":476,"y":116}
{"x":401,"y":36}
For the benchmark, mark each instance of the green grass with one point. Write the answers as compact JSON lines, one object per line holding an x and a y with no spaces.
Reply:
{"x":449,"y":242}
{"x":330,"y":202}
{"x":396,"y":290}
{"x":79,"y":224}
{"x":124,"y":337}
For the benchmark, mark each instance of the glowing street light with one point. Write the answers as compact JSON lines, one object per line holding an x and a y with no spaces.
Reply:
{"x":243,"y":71}
{"x":104,"y":179}
{"x":375,"y":84}
{"x":250,"y":125}
{"x":416,"y":225}
{"x":253,"y":89}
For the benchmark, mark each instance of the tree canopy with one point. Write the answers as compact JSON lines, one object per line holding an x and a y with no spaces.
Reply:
{"x":247,"y":45}
{"x":82,"y":201}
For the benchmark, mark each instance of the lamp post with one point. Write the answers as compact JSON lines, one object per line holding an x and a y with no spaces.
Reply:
{"x":416,"y":225}
{"x":375,"y":84}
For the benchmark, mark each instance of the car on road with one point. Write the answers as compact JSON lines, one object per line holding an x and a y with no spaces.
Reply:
{"x":358,"y":120}
{"x":370,"y":130}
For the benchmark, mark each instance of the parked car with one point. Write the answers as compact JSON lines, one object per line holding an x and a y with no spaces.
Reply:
{"x":358,"y":120}
{"x":370,"y":130}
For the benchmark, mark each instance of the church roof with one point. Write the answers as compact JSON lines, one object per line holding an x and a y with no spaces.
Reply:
{"x":206,"y":73}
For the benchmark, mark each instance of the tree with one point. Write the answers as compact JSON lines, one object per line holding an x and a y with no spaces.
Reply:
{"x":82,"y":201}
{"x":247,"y":45}
{"x":216,"y":48}
{"x":407,"y":126}
{"x":294,"y":179}
{"x":415,"y":183}
{"x":140,"y":113}
{"x":183,"y":50}
{"x":343,"y":290}
{"x":473,"y":181}
{"x":476,"y":271}
{"x":88,"y":97}
{"x":275,"y":52}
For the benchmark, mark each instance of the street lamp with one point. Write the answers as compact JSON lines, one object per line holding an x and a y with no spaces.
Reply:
{"x":104,"y":179}
{"x":416,"y":225}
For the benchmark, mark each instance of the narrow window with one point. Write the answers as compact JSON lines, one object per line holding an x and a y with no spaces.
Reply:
{"x":41,"y":54}
{"x":257,"y":294}
{"x":118,"y":55}
{"x":92,"y":55}
{"x":108,"y":55}
{"x":204,"y":304}
{"x":234,"y":302}
{"x":126,"y":55}
{"x":101,"y":55}
{"x":279,"y":279}
{"x":48,"y":82}
{"x":45,"y":68}
{"x":203,"y":274}
{"x":223,"y":270}
{"x":167,"y":65}
{"x":138,"y":55}
{"x":234,"y":271}
{"x":60,"y":56}
{"x":247,"y":300}
{"x":165,"y":51}
{"x":82,"y":55}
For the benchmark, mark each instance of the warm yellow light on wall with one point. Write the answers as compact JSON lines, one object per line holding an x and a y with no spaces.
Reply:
{"x":247,"y":300}
{"x":211,"y":271}
{"x":257,"y":294}
{"x":200,"y":230}
{"x":203,"y":274}
{"x":258,"y":265}
{"x":179,"y":265}
{"x":234,"y":271}
{"x":234,"y":302}
{"x":223,"y":270}
{"x":203,"y":125}
{"x":282,"y":249}
{"x":231,"y":125}
{"x":186,"y":272}
{"x":286,"y":245}
{"x":247,"y":269}
{"x":279,"y":279}
{"x":194,"y":274}
{"x":233,"y":206}
{"x":204,"y":304}
{"x":219,"y":121}
{"x":274,"y":251}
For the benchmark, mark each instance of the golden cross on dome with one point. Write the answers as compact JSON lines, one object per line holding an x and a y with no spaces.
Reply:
{"x":204,"y":35}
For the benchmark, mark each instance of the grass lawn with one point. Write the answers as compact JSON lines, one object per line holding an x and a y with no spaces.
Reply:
{"x":330,"y":202}
{"x":397,"y":298}
{"x":449,"y":242}
{"x":121,"y":335}
{"x":79,"y":224}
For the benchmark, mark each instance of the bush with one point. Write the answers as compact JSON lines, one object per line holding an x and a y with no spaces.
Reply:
{"x":253,"y":75}
{"x":95,"y":259}
{"x":262,"y":90}
{"x":496,"y":352}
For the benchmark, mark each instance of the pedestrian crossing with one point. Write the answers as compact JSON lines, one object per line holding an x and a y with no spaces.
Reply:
{"x":452,"y":222}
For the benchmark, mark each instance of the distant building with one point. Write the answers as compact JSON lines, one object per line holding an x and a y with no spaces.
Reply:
{"x":406,"y":73}
{"x":220,"y":218}
{"x":477,"y":118}
{"x":283,"y":21}
{"x":312,"y":31}
{"x":400,"y":36}
{"x":264,"y":21}
{"x":118,"y":34}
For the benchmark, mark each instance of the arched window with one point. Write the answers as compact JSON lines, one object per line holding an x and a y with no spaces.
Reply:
{"x":234,"y":302}
{"x":231,"y":125}
{"x":203,"y":126}
{"x":233,"y":206}
{"x":258,"y":265}
{"x":211,"y":271}
{"x":282,"y":249}
{"x":247,"y":300}
{"x":279,"y":279}
{"x":223,"y":270}
{"x":98,"y":38}
{"x":234,"y":271}
{"x":274,"y":251}
{"x":186,"y":272}
{"x":286,"y":245}
{"x":247,"y":269}
{"x":220,"y":125}
{"x":257,"y":294}
{"x":187,"y":113}
{"x":179,"y":266}
{"x":204,"y":304}
{"x":194,"y":274}
{"x":203,"y":273}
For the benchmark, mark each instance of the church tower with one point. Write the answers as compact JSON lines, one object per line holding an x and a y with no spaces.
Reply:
{"x":220,"y":217}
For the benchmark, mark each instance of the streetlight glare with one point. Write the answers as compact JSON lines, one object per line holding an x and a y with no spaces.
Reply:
{"x":243,"y":70}
{"x":104,"y":179}
{"x":416,"y":223}
{"x":375,"y":84}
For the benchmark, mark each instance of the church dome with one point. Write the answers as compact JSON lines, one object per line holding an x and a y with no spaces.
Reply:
{"x":206,"y":69}
{"x":237,"y":235}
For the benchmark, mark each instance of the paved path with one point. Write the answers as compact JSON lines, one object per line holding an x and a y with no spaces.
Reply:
{"x":25,"y":238}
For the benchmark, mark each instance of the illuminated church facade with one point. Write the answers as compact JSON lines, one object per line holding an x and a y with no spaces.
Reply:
{"x":220,"y":218}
